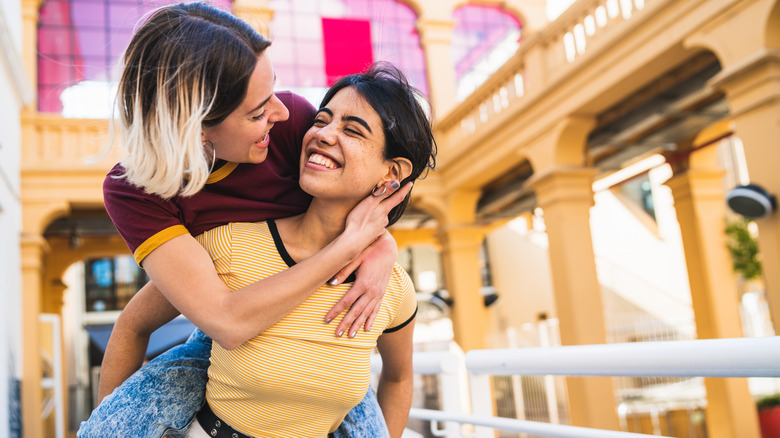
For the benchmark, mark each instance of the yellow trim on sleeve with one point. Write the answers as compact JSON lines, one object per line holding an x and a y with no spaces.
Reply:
{"x":158,"y":239}
{"x":221,"y":173}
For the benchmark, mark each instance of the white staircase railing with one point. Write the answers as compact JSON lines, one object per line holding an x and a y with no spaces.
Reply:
{"x":740,"y":357}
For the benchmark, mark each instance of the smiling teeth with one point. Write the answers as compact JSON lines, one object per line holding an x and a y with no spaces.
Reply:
{"x":322,"y":161}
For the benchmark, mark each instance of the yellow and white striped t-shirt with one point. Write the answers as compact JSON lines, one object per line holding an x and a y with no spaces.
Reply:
{"x":296,"y":379}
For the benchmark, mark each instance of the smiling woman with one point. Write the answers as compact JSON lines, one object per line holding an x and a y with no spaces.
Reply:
{"x":296,"y":368}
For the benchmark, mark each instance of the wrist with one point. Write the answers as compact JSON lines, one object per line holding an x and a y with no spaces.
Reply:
{"x":346,"y":246}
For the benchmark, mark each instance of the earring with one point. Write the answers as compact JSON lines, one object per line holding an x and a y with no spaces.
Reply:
{"x":375,"y":194}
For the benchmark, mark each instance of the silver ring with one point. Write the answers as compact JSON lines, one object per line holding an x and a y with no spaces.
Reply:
{"x":375,"y":194}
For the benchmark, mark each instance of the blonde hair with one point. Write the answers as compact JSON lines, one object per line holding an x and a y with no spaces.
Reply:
{"x":187,"y":67}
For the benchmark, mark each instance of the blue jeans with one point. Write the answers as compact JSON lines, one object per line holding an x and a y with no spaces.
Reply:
{"x":163,"y":397}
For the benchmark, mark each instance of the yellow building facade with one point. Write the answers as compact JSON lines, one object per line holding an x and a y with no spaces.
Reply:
{"x":552,"y":119}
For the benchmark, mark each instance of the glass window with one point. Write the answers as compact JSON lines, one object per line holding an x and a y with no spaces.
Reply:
{"x":110,"y":282}
{"x":483,"y":39}
{"x":306,"y":62}
{"x":639,"y":190}
{"x":79,"y":46}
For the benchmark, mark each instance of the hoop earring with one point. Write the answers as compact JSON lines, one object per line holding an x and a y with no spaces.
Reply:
{"x":375,"y":194}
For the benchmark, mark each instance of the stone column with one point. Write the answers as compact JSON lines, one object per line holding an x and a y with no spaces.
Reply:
{"x":565,"y":195}
{"x":30,"y":9}
{"x":33,"y":249}
{"x":700,"y":203}
{"x":460,"y":260}
{"x":256,"y":13}
{"x":460,"y":242}
{"x":436,"y":40}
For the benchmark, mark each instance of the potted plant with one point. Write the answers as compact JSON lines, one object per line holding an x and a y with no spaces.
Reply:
{"x":769,"y":416}
{"x":743,"y":247}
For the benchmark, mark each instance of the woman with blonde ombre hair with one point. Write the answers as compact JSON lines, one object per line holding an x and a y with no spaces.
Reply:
{"x":209,"y":142}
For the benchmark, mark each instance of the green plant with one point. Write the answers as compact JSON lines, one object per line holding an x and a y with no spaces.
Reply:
{"x":768,"y":402}
{"x":743,"y":247}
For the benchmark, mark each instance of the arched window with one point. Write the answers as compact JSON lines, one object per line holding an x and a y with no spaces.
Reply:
{"x":316,"y":42}
{"x":484,"y":38}
{"x":79,"y":46}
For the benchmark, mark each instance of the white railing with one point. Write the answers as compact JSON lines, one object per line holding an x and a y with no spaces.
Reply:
{"x":742,"y":357}
{"x":52,"y":382}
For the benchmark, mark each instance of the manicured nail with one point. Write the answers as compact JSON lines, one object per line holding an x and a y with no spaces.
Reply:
{"x":334,"y":282}
{"x":352,"y":334}
{"x":368,"y":328}
{"x":340,"y":333}
{"x":395,"y":184}
{"x":328,"y":320}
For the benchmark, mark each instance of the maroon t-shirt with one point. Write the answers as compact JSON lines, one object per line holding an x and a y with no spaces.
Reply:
{"x":234,"y":192}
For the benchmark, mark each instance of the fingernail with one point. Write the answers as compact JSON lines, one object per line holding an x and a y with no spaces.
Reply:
{"x":395,"y":184}
{"x":328,"y":320}
{"x":340,"y":333}
{"x":334,"y":282}
{"x":352,"y":334}
{"x":368,"y":328}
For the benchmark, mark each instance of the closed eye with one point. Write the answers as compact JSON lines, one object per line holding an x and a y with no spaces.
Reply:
{"x":355,"y":132}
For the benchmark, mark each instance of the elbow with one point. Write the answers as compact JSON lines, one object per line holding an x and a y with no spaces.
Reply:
{"x":227,"y":335}
{"x":230,"y":330}
{"x":228,"y":343}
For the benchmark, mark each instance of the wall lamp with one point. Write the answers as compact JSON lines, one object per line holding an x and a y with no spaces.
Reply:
{"x":751,"y":201}
{"x":441,"y":298}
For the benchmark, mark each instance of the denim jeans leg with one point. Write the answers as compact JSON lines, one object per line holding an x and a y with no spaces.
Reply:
{"x":160,"y":399}
{"x":364,"y":420}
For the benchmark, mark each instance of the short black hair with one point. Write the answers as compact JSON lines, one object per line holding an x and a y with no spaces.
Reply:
{"x":407,"y":127}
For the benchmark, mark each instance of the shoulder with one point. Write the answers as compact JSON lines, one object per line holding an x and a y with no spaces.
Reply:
{"x":116,"y":185}
{"x":401,"y":277}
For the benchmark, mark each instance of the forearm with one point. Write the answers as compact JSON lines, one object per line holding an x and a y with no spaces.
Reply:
{"x":124,"y":355}
{"x":232,"y":318}
{"x":146,"y":312}
{"x":396,"y":380}
{"x":395,"y":399}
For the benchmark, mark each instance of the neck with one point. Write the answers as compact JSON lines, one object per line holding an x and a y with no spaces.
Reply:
{"x":313,"y":230}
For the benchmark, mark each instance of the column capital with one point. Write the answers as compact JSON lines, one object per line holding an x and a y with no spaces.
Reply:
{"x":30,"y":8}
{"x":699,"y":183}
{"x":33,"y":248}
{"x":564,"y":183}
{"x":455,"y":237}
{"x":751,"y":82}
{"x":435,"y":30}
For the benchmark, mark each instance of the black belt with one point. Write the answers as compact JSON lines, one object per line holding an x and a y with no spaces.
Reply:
{"x":216,"y":427}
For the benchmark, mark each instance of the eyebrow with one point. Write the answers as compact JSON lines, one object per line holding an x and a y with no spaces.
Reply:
{"x":347,"y":118}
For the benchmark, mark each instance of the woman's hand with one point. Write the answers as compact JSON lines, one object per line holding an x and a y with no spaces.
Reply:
{"x":367,"y":221}
{"x":372,"y":268}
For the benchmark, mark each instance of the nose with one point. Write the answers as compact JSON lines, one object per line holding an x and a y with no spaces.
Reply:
{"x":326,"y":134}
{"x":278,"y":112}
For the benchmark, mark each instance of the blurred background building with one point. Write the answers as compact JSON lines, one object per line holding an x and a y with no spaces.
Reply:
{"x":585,"y":154}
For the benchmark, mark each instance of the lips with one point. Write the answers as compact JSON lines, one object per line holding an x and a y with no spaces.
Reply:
{"x":263,"y":143}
